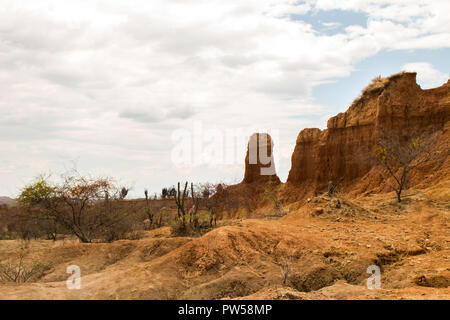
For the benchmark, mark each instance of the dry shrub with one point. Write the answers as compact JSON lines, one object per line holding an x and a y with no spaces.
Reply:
{"x":92,"y":209}
{"x":375,"y":84}
{"x":285,"y":269}
{"x":188,"y":230}
{"x":21,"y":269}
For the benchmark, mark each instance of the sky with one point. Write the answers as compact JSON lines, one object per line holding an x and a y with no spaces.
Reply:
{"x":155,"y":92}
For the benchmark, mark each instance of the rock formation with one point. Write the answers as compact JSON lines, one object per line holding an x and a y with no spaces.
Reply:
{"x":343,"y":150}
{"x":259,"y":161}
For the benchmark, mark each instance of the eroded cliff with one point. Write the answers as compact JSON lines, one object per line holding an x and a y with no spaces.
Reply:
{"x":345,"y":150}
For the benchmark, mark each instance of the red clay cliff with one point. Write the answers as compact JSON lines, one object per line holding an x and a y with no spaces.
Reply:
{"x":342,"y":152}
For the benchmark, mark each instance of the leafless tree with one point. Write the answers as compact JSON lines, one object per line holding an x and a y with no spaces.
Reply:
{"x":180,"y":199}
{"x":400,"y":154}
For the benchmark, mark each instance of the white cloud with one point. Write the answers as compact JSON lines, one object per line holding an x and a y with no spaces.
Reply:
{"x":107,"y":81}
{"x":331,"y":25}
{"x":427,"y":75}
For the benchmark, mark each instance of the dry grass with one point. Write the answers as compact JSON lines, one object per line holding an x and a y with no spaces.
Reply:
{"x":377,"y":84}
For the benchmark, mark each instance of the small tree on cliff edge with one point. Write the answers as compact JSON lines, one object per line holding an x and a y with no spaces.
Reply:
{"x":399,"y":155}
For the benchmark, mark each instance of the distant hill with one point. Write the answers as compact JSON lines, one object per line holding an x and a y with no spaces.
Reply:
{"x":6,"y":200}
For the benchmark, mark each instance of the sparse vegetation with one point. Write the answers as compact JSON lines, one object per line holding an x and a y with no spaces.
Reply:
{"x":168,"y":193}
{"x":20,"y":269}
{"x":285,"y":269}
{"x":164,"y":193}
{"x":148,"y":210}
{"x":86,"y":207}
{"x":211,"y":195}
{"x":180,"y":202}
{"x":377,"y":84}
{"x":187,"y":218}
{"x":124,"y":192}
{"x":399,"y":155}
{"x":332,"y":186}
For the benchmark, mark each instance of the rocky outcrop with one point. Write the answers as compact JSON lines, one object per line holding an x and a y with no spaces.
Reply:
{"x":341,"y":152}
{"x":241,"y":199}
{"x":259,"y":161}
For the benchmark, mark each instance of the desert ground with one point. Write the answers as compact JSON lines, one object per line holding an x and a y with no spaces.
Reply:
{"x":320,"y":250}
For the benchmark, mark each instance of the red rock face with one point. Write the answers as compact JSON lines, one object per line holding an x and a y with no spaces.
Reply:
{"x":343,"y":150}
{"x":259,"y":161}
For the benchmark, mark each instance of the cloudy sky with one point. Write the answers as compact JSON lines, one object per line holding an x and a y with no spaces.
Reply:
{"x":116,"y":87}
